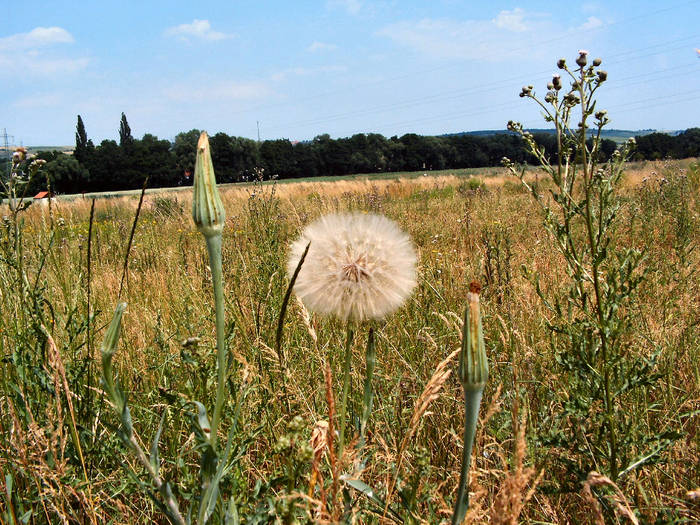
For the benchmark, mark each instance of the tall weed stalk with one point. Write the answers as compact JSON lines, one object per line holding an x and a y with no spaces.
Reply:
{"x":592,"y":322}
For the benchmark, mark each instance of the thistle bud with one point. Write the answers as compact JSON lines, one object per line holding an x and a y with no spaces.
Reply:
{"x":597,"y":61}
{"x":19,"y":155}
{"x":473,"y":365}
{"x":602,"y":76}
{"x":561,"y":63}
{"x":207,"y":209}
{"x":556,"y":82}
{"x":581,"y":60}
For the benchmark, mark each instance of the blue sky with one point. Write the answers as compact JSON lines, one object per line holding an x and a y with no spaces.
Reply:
{"x":341,"y":67}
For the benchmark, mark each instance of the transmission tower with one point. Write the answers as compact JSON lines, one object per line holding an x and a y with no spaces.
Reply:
{"x":6,"y":148}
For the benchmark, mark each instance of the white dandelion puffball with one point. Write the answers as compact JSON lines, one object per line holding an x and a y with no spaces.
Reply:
{"x":358,"y":267}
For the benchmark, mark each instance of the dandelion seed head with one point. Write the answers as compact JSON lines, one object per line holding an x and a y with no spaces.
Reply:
{"x":359,"y":266}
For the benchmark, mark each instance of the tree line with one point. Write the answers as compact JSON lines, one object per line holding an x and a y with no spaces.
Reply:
{"x":123,"y":165}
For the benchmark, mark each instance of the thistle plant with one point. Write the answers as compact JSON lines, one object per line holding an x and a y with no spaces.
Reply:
{"x":592,"y":325}
{"x":473,"y":373}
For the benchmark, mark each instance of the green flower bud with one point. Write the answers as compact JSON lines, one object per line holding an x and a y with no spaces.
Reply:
{"x":473,"y":365}
{"x":207,"y":209}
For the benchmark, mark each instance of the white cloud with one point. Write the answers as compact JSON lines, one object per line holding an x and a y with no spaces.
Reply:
{"x":454,"y":39}
{"x":36,"y":38}
{"x":351,"y":6}
{"x":34,"y":53}
{"x":38,"y":101}
{"x":200,"y":29}
{"x":306,"y":71}
{"x":222,"y":91}
{"x":591,"y":22}
{"x":511,"y":20}
{"x":510,"y":34}
{"x":321,"y":46}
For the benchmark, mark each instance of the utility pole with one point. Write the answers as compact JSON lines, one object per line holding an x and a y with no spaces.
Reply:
{"x":258,"y":123}
{"x":6,"y":146}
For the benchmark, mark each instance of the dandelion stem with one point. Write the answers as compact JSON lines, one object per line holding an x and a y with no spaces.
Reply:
{"x":214,"y":249}
{"x":346,"y":388}
{"x":472,"y":401}
{"x":370,"y":361}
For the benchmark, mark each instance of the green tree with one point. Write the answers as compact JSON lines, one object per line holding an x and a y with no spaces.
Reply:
{"x":81,"y":142}
{"x":152,"y":157}
{"x":107,"y":167}
{"x":67,"y":175}
{"x":125,"y":138}
{"x":276,"y":156}
{"x":185,"y":151}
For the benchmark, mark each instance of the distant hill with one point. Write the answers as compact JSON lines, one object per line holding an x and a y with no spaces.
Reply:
{"x":35,"y":149}
{"x":618,"y":135}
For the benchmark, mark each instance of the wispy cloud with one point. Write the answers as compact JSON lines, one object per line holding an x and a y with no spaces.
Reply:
{"x":307,"y":71}
{"x":321,"y":46}
{"x":592,"y":22}
{"x":197,"y":29}
{"x":511,"y":20}
{"x":35,"y":53}
{"x":36,"y":38}
{"x":510,"y":34}
{"x":221,"y":91}
{"x":44,"y":100}
{"x":351,"y":6}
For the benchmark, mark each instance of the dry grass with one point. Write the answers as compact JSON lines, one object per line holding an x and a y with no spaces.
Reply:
{"x":418,"y":404}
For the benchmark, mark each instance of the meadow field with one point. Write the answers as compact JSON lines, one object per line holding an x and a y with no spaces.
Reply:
{"x":62,"y":274}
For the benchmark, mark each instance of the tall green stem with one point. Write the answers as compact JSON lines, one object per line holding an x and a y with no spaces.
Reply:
{"x":214,"y":249}
{"x":346,"y":388}
{"x":472,"y":401}
{"x":370,"y":362}
{"x":593,"y":243}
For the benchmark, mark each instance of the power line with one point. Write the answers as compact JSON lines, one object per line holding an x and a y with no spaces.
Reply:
{"x":614,"y":85}
{"x":527,"y":44}
{"x":642,"y":53}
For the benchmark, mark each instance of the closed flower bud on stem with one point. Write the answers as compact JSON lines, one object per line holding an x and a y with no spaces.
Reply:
{"x":473,"y":365}
{"x":581,"y":60}
{"x":207,"y":209}
{"x":556,"y":82}
{"x":473,"y":373}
